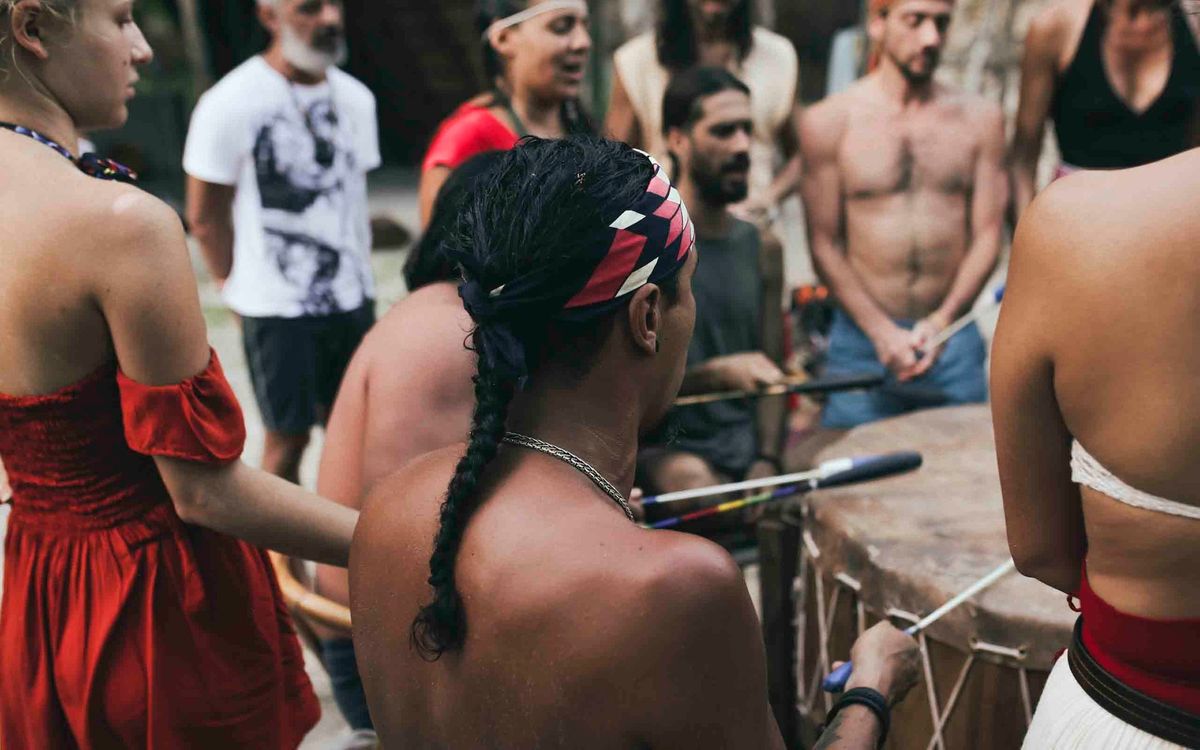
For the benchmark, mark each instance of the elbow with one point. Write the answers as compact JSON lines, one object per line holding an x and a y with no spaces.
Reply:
{"x":192,"y":496}
{"x":1057,"y":568}
{"x":188,"y":510}
{"x":203,"y":227}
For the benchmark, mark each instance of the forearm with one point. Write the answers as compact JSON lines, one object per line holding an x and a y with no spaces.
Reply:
{"x":1023,"y":164}
{"x":215,"y":239}
{"x":1061,"y":572}
{"x":973,"y":273}
{"x":786,"y":182}
{"x":261,"y":509}
{"x":699,"y":379}
{"x":854,"y":728}
{"x":1024,"y":179}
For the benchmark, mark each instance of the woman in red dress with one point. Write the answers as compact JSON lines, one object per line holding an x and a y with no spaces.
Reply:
{"x":534,"y":53}
{"x":132,"y":615}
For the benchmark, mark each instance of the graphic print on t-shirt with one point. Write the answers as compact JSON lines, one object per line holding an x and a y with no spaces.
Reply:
{"x":302,"y":160}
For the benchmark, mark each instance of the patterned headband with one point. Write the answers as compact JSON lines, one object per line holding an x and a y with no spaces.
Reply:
{"x":647,"y":244}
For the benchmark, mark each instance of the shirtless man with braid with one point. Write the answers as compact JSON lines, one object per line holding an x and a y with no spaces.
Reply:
{"x":904,"y":189}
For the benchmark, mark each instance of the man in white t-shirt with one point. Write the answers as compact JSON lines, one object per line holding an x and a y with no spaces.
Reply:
{"x":277,"y":157}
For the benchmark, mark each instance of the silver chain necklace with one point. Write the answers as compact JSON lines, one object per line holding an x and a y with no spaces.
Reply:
{"x":566,"y":456}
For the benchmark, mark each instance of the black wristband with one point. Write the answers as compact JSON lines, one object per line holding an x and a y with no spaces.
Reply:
{"x":872,"y":699}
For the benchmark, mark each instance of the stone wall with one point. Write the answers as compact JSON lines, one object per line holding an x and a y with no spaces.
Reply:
{"x":984,"y":50}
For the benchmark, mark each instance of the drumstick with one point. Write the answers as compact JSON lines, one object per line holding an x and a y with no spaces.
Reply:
{"x":830,"y":384}
{"x":713,"y":510}
{"x":835,"y":681}
{"x":828,"y":474}
{"x":873,"y":467}
{"x":948,"y":332}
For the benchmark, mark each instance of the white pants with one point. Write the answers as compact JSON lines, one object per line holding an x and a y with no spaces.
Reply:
{"x":1068,"y":719}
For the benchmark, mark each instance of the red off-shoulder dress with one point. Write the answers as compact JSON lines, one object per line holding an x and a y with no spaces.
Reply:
{"x":122,"y":626}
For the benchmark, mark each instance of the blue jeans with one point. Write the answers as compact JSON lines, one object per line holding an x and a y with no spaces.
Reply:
{"x":957,"y":377}
{"x":338,"y":657}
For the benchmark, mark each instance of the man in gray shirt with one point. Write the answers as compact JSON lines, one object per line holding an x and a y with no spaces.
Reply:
{"x":738,"y":338}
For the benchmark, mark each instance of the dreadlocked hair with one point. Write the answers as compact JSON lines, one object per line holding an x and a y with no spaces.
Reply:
{"x":575,"y":117}
{"x":541,"y":205}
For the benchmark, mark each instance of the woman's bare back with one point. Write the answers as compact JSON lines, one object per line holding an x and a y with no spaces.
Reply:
{"x":52,"y":335}
{"x":65,"y":239}
{"x":1123,"y":283}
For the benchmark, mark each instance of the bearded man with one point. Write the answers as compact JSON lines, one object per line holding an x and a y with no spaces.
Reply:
{"x":277,"y":157}
{"x":738,"y":339}
{"x":904,"y":191}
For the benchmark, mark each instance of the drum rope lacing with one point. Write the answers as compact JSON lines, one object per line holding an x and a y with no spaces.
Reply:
{"x":567,"y":457}
{"x":825,"y":614}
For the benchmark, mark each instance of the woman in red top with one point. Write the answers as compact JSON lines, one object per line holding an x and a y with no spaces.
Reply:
{"x":132,"y":615}
{"x":534,"y":54}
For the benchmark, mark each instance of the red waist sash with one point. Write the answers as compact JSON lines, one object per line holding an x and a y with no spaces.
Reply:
{"x":1160,"y":658}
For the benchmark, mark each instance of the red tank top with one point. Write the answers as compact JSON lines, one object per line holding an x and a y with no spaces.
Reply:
{"x":471,"y":130}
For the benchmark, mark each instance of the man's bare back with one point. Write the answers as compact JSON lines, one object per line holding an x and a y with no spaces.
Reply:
{"x":406,"y":392}
{"x":907,"y":178}
{"x":584,"y":630}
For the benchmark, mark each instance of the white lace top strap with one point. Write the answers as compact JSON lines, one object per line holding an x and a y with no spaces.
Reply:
{"x":1089,"y":472}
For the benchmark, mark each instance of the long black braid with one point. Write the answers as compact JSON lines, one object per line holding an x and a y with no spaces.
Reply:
{"x":441,"y":624}
{"x":532,"y":210}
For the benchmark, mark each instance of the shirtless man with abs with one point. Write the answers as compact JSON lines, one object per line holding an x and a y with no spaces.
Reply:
{"x":904,"y":189}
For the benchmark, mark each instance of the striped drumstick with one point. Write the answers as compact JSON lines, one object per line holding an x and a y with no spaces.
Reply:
{"x":835,"y":681}
{"x":814,"y":386}
{"x":828,"y":474}
{"x":857,"y":470}
{"x":712,"y":510}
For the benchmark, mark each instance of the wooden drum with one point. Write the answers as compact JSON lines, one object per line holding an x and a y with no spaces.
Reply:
{"x":901,"y":547}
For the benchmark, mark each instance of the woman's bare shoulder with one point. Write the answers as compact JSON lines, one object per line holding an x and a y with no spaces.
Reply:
{"x":1091,"y":211}
{"x":124,"y":222}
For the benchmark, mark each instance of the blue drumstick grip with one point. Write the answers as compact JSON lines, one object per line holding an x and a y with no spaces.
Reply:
{"x":835,"y":681}
{"x":871,"y":467}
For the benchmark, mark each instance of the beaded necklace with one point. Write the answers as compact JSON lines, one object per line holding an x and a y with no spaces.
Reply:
{"x":89,"y":164}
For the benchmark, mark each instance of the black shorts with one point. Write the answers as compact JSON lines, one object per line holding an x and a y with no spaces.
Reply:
{"x":296,"y":364}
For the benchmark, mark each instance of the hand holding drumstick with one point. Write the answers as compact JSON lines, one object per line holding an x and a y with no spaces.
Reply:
{"x":887,"y":663}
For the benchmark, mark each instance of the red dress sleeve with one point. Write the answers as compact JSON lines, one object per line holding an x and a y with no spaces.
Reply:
{"x":469,"y":131}
{"x":197,"y":420}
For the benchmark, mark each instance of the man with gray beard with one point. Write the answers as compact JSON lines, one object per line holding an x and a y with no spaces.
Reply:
{"x":277,"y":157}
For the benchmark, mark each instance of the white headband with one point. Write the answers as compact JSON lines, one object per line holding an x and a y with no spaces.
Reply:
{"x":550,"y":6}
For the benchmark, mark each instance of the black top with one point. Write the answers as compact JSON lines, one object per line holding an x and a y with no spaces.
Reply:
{"x":1097,"y":130}
{"x":728,"y":289}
